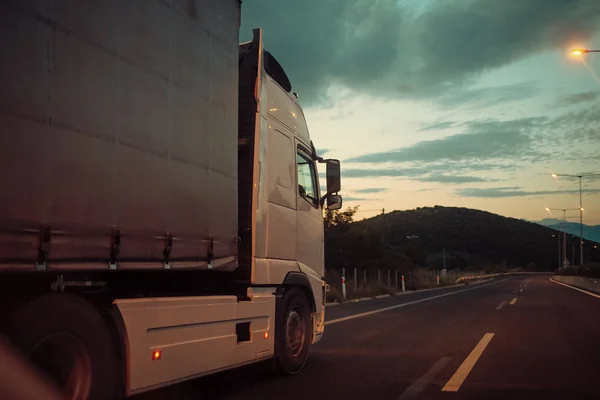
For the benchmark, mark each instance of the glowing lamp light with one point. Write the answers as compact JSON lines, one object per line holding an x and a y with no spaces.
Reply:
{"x":156,"y":354}
{"x":577,"y":52}
{"x":266,"y":335}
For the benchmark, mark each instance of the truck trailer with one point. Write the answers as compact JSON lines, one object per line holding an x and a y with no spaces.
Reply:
{"x":161,"y":216}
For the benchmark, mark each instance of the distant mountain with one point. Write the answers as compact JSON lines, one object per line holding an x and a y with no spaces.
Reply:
{"x":590,"y":232}
{"x":472,"y":239}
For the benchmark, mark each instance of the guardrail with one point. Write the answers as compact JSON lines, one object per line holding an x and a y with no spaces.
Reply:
{"x":486,"y":276}
{"x":590,"y":284}
{"x":476,"y":277}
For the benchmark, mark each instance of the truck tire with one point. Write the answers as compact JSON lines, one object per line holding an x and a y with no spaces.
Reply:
{"x":293,"y":332}
{"x":69,"y":340}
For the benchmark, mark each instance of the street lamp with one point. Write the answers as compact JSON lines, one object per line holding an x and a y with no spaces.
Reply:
{"x":578,"y":52}
{"x":564,"y":210}
{"x":579,"y":176}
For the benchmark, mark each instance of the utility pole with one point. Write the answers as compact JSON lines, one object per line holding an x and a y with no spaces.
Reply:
{"x":580,"y":222}
{"x":565,"y":238}
{"x":558,"y":241}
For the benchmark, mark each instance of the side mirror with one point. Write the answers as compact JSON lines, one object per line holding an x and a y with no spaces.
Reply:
{"x":333,"y":176}
{"x":334,"y":202}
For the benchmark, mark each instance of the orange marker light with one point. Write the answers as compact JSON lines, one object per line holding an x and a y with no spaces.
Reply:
{"x":156,"y":355}
{"x":266,"y":335}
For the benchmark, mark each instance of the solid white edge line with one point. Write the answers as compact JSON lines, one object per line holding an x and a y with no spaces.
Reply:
{"x":367,"y":313}
{"x":576,"y":288}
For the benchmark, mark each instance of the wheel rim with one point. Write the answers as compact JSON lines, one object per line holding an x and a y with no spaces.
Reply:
{"x":295,"y":332}
{"x":65,"y":358}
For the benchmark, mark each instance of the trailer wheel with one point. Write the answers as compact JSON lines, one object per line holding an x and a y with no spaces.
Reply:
{"x":67,"y":338}
{"x":293,"y":332}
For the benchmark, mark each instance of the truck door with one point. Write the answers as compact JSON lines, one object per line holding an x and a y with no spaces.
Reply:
{"x":310,"y":216}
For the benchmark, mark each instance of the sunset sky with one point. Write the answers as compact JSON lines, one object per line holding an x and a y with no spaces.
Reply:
{"x":469,"y":103}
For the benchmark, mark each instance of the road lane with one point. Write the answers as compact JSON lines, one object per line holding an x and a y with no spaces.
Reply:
{"x":545,"y":343}
{"x":544,"y":347}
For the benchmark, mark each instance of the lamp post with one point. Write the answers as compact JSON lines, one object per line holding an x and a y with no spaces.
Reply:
{"x":564,"y":210}
{"x":580,"y":176}
{"x":558,"y":242}
{"x":579,"y":52}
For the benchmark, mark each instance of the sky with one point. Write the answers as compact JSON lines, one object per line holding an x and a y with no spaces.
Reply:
{"x":467,"y":103}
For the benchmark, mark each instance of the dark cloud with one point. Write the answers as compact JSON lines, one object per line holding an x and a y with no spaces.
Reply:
{"x":438,"y":126}
{"x":513,"y":192}
{"x":418,"y":173}
{"x":350,"y":198}
{"x":371,"y":190}
{"x":578,"y":98}
{"x":453,"y":179}
{"x":489,"y":139}
{"x":389,"y":48}
{"x":577,"y":127}
{"x":489,"y":96}
{"x":388,"y":173}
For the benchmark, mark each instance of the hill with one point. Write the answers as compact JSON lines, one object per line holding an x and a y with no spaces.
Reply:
{"x":590,"y":232}
{"x":473,"y":239}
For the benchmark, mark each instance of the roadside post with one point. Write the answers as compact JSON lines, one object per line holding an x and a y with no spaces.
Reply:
{"x":403,"y":287}
{"x":344,"y":283}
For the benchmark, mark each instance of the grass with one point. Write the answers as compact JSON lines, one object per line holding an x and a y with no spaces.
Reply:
{"x":419,"y":279}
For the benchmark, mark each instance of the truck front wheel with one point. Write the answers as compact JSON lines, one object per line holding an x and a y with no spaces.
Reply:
{"x":68,"y":339}
{"x":293,"y":332}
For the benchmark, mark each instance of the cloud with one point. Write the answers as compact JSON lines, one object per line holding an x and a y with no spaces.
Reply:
{"x":579,"y":125}
{"x":578,"y":98}
{"x":417,"y":172}
{"x":388,"y":48}
{"x":513,"y":192}
{"x":389,"y":173}
{"x":350,"y":198}
{"x":371,"y":190}
{"x":490,"y":96}
{"x":322,"y":152}
{"x":489,"y":139}
{"x":453,"y":179}
{"x":438,"y":126}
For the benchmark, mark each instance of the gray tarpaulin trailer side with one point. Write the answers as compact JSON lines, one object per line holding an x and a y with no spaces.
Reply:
{"x":119,"y":134}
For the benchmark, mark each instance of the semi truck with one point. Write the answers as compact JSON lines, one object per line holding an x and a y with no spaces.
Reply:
{"x":161,"y":216}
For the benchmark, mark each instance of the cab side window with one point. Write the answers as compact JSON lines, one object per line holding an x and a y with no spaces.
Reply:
{"x":307,"y":179}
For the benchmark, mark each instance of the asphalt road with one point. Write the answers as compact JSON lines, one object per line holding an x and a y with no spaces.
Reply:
{"x":456,"y":343}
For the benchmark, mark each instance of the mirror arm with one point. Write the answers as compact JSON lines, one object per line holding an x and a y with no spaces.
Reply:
{"x":324,"y":198}
{"x":324,"y":160}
